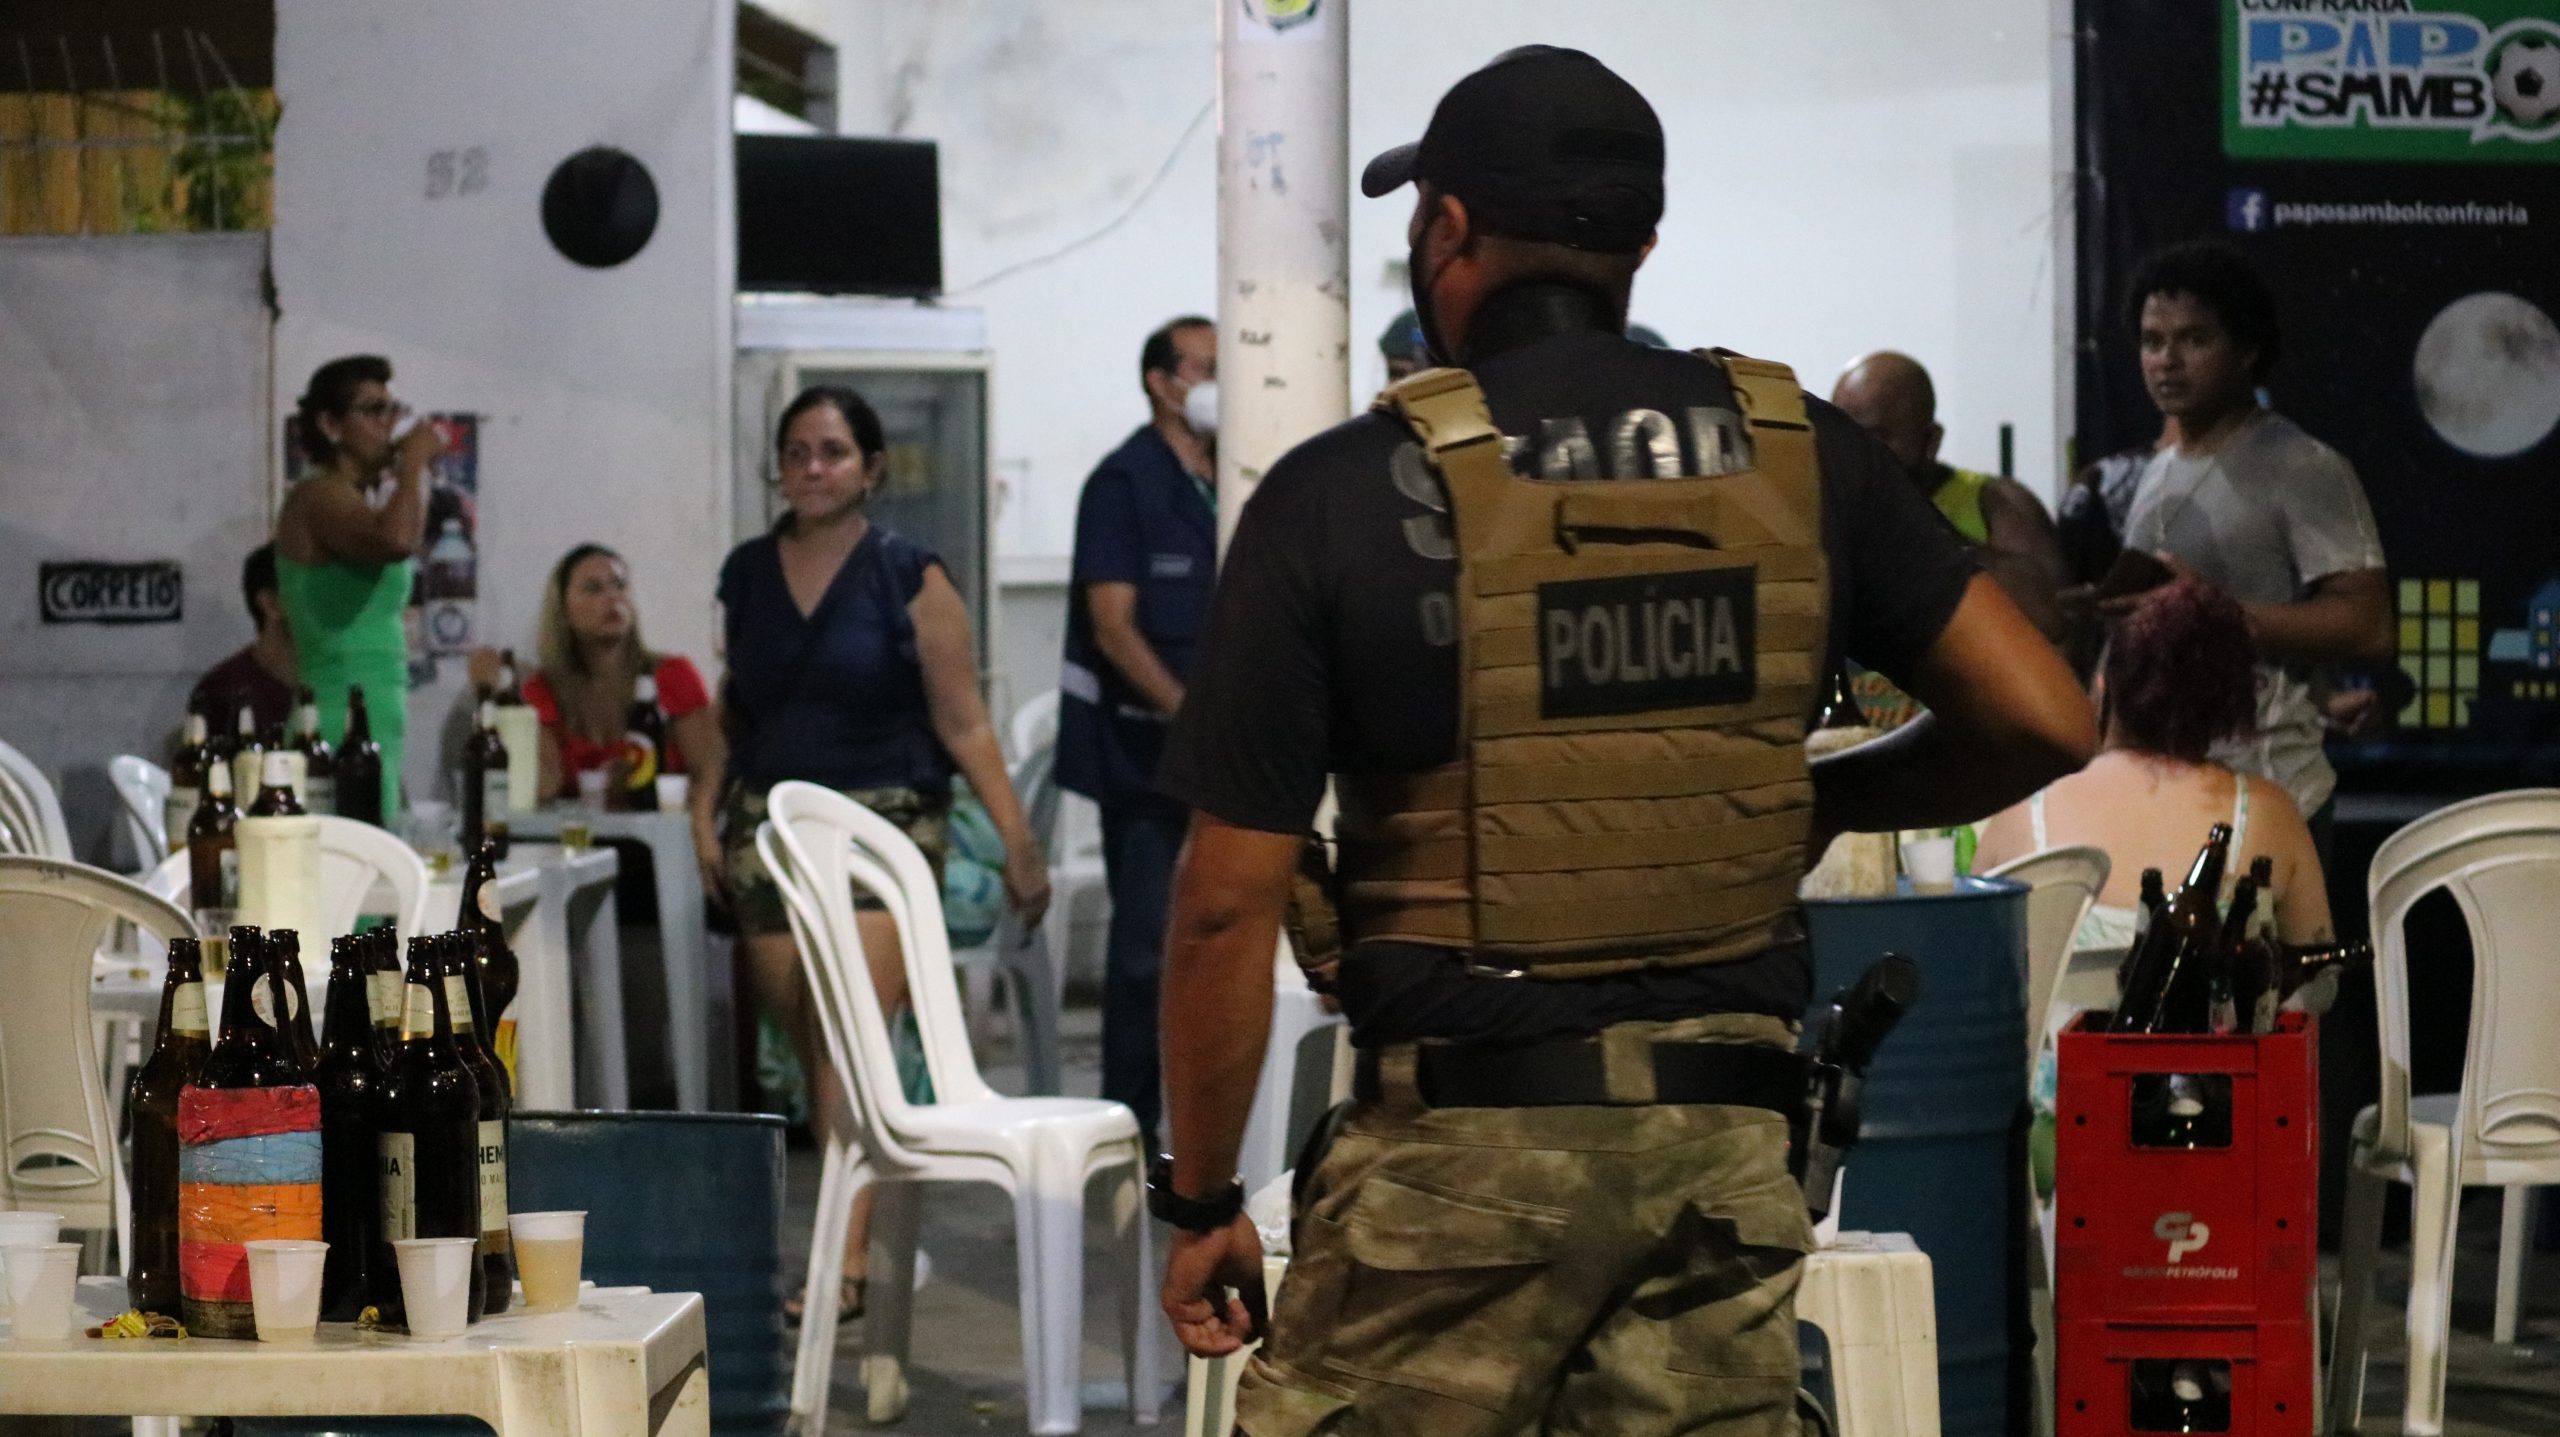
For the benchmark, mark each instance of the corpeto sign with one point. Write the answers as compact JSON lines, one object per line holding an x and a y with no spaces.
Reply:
{"x":93,"y":591}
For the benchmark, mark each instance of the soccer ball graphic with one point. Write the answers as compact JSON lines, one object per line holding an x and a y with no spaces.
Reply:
{"x":2525,"y":79}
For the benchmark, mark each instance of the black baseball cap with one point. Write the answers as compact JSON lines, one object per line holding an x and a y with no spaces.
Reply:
{"x":1541,"y":144}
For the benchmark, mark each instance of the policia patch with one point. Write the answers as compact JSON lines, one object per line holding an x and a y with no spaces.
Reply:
{"x":1647,"y":643}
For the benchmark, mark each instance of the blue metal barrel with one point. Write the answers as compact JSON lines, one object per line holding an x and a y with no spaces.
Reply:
{"x":1942,"y":1157}
{"x":679,"y":1202}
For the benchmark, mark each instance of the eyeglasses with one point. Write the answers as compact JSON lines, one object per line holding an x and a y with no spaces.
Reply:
{"x":380,"y":408}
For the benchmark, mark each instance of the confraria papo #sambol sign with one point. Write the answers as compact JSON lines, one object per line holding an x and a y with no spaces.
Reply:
{"x":90,"y":591}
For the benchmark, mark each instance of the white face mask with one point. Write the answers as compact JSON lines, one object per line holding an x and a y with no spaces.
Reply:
{"x":1200,"y":409}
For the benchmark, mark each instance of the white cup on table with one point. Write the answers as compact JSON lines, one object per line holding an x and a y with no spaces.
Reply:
{"x":43,"y":1276}
{"x":1931,"y":864}
{"x":23,"y":1227}
{"x":673,"y":791}
{"x":284,"y":1287}
{"x":435,"y":1283}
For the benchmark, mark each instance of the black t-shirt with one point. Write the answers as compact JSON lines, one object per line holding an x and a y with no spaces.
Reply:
{"x":1332,"y":639}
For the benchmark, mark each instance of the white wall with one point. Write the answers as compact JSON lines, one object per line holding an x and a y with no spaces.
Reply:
{"x":604,"y":393}
{"x":1845,"y":175}
{"x":133,"y":405}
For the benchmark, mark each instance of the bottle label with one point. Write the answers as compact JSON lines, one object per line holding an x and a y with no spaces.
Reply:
{"x":493,"y":800}
{"x":175,"y":814}
{"x":382,"y":998}
{"x":320,"y":794}
{"x":493,"y":1187}
{"x":262,"y":1002}
{"x":187,"y":1010}
{"x":457,"y":1002}
{"x":418,"y":1020}
{"x":230,"y":894}
{"x":641,"y":756}
{"x":487,"y":902}
{"x":399,"y":1152}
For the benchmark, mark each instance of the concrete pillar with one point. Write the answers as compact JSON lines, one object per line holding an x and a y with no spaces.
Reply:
{"x":1284,"y":196}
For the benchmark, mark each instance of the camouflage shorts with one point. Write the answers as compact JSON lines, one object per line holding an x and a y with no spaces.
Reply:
{"x":757,"y":899}
{"x":1482,"y":1272}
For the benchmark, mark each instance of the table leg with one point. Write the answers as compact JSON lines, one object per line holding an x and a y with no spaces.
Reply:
{"x":683,"y":948}
{"x":592,"y":936}
{"x":546,"y":1030}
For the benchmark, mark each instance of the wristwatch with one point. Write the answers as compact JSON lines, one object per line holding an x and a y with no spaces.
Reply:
{"x":1191,"y":1214}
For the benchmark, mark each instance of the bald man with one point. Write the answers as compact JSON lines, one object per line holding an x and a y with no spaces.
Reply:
{"x":1891,"y":397}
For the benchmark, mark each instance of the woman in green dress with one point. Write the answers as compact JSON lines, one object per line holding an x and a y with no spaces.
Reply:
{"x":344,"y":552}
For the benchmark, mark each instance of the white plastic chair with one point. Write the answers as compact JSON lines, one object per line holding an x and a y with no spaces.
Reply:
{"x":1042,"y":1151}
{"x":144,"y":787}
{"x":354,"y":856}
{"x":2499,"y":857}
{"x":1072,"y":834}
{"x":1296,"y":1011}
{"x":2061,"y":884}
{"x":57,"y":1127}
{"x":30,"y":811}
{"x":1012,"y":952}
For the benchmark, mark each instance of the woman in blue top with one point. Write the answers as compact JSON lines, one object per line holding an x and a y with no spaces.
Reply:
{"x":849,"y":665}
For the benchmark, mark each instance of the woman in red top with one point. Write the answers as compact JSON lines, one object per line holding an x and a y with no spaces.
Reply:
{"x":592,"y":659}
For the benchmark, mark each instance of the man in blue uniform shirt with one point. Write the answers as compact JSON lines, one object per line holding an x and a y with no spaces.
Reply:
{"x":1146,"y":552}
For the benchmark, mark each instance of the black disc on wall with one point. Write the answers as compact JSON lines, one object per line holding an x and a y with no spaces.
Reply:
{"x":600,"y":207}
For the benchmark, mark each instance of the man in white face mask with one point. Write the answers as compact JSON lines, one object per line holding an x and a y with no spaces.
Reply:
{"x":1146,"y":551}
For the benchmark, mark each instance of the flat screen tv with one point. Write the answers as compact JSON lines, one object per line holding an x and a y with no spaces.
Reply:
{"x":833,"y":215}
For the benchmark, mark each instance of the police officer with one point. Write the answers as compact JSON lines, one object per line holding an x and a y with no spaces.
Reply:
{"x":1555,"y":623}
{"x":1146,"y":549}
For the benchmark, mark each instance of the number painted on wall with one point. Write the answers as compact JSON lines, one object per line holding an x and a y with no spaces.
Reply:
{"x":457,"y":172}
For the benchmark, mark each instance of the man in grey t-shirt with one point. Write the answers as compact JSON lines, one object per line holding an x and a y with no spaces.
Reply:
{"x":2247,"y":501}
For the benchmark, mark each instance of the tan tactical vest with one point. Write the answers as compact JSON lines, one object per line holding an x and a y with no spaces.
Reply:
{"x":1637,"y":658}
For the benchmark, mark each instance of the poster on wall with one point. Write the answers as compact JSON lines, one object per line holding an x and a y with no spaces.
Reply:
{"x":2393,"y":168}
{"x":443,"y":602}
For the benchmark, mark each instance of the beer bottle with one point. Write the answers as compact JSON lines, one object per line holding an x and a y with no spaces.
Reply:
{"x":462,"y":995}
{"x":252,"y":1104}
{"x":350,"y":1083}
{"x":247,"y":754}
{"x":151,"y":1115}
{"x":510,"y":679}
{"x":644,"y":743}
{"x":359,"y":767}
{"x":382,"y":992}
{"x":186,"y":782}
{"x":499,"y":973}
{"x":2224,"y":983}
{"x":319,"y":761}
{"x":293,"y":1026}
{"x":213,"y":863}
{"x":428,"y":1137}
{"x":2181,"y":943}
{"x":484,"y":782}
{"x":1840,"y":709}
{"x":276,"y":795}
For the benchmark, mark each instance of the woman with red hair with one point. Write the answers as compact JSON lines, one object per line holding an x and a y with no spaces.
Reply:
{"x":2178,"y":677}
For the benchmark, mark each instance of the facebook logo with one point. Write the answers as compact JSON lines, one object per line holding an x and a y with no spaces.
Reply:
{"x":2245,"y":210}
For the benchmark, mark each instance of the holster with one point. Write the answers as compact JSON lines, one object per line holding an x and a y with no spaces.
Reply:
{"x":1314,"y":921}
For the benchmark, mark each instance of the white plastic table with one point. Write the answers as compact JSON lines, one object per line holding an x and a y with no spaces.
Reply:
{"x":558,"y":910}
{"x":699,"y":998}
{"x":625,"y":1362}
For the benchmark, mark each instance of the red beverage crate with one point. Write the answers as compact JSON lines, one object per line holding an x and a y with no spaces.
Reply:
{"x":2207,"y":1235}
{"x":2269,"y":1368}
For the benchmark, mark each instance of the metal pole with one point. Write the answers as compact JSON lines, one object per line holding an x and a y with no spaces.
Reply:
{"x":1284,"y":200}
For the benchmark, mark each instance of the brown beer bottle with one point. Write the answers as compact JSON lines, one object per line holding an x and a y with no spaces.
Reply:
{"x":1840,"y":708}
{"x":293,"y":1027}
{"x":246,"y":754}
{"x":186,"y":781}
{"x":359,"y":766}
{"x":319,"y":761}
{"x":429,"y":1134}
{"x":644,"y":742}
{"x":383,"y":986}
{"x":499,"y":973}
{"x":484,"y":782}
{"x":350,"y":1083}
{"x":151,"y":1114}
{"x":489,"y":1081}
{"x":2167,"y":986}
{"x":250,"y":1055}
{"x":213,"y":863}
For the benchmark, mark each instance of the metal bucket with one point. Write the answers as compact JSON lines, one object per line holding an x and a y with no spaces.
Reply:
{"x":1943,"y":1154}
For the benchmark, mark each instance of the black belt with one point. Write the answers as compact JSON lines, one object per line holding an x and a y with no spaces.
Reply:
{"x":1569,"y":1072}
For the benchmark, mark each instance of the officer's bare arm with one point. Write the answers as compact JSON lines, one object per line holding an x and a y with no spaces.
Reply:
{"x":2025,"y":553}
{"x":1229,"y":893}
{"x":1114,"y":609}
{"x":2005,"y":719}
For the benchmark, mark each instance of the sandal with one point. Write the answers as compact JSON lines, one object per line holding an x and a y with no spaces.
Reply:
{"x":849,"y":1296}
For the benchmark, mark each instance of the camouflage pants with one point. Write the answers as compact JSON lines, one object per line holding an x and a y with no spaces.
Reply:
{"x":1586,"y":1270}
{"x":754,"y":896}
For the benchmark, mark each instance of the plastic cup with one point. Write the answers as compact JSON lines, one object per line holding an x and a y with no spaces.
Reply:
{"x":21,"y":1227}
{"x":1931,"y":862}
{"x":673,"y":790}
{"x":284,"y":1287}
{"x":435,"y":1283}
{"x":550,"y":1249}
{"x":594,"y":785}
{"x":42,"y":1279}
